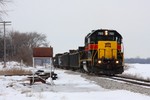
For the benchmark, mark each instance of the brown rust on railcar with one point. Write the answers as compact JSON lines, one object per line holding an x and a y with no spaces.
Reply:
{"x":43,"y":52}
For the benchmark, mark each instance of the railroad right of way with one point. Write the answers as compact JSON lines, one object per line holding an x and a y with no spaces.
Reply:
{"x":117,"y":85}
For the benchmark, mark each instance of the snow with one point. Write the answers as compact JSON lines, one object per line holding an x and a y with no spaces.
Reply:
{"x":139,"y":70}
{"x":66,"y":87}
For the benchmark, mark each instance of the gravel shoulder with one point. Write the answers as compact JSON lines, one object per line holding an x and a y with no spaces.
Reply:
{"x":113,"y":84}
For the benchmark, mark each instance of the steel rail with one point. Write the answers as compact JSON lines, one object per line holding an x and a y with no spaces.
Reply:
{"x":130,"y":80}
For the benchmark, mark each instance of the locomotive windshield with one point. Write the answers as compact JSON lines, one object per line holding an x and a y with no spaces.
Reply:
{"x":108,"y":36}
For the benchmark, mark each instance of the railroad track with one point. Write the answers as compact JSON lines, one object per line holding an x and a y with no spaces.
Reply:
{"x":123,"y":78}
{"x":126,"y":79}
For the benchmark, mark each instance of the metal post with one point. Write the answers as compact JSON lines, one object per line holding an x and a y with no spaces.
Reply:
{"x":4,"y":47}
{"x":33,"y":73}
{"x":5,"y":23}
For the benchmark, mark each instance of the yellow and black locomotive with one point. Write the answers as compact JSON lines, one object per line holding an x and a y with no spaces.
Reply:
{"x":102,"y":53}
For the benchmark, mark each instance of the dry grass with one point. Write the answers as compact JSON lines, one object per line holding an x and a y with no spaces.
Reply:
{"x":15,"y":71}
{"x":126,"y":67}
{"x":137,"y":77}
{"x":148,"y":79}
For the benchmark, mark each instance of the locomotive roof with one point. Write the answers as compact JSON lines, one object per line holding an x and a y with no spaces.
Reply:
{"x":100,"y":30}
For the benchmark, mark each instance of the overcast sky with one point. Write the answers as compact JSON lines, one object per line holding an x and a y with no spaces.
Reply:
{"x":67,"y":22}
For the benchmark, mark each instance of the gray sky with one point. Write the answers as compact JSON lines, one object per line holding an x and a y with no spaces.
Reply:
{"x":67,"y":22}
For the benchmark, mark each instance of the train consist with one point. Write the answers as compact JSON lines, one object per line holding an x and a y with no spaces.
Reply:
{"x":102,"y":54}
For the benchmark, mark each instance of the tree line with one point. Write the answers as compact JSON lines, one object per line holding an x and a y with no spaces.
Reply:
{"x":138,"y":60}
{"x":19,"y":45}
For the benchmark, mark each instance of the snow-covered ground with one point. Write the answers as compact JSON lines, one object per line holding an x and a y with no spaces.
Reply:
{"x":139,"y":70}
{"x":67,"y":87}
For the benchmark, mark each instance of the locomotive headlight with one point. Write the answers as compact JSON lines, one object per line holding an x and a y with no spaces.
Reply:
{"x":106,"y":32}
{"x":117,"y":62}
{"x":99,"y":61}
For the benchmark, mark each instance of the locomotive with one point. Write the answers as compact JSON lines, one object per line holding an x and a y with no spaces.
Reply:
{"x":102,"y":53}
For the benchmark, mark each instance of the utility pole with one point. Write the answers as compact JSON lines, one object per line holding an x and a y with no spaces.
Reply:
{"x":4,"y":24}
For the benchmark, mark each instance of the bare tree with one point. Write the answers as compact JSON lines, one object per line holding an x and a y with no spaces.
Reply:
{"x":21,"y":44}
{"x":2,"y":5}
{"x":3,"y":2}
{"x":36,"y":40}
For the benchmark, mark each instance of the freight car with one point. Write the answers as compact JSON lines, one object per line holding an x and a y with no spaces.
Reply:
{"x":57,"y":60}
{"x":102,"y":53}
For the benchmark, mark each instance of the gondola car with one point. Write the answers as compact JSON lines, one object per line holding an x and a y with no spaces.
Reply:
{"x":65,"y":62}
{"x":57,"y":60}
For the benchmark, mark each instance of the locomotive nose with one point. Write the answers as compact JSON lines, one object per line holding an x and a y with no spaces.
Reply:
{"x":107,"y":49}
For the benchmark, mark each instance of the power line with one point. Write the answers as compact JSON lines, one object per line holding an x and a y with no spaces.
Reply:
{"x":4,"y":24}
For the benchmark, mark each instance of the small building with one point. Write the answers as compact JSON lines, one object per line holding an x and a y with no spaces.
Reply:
{"x":42,"y":56}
